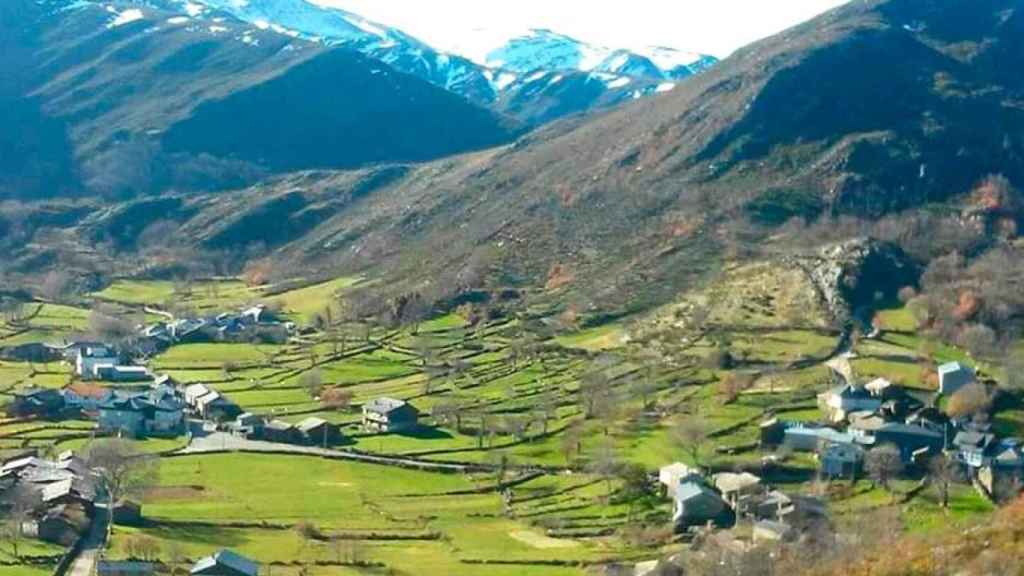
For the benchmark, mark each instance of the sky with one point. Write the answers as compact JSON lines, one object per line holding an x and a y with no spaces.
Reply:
{"x":716,"y":27}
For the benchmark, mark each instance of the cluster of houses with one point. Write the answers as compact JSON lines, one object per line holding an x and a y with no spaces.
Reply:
{"x":727,"y":498}
{"x":56,"y":498}
{"x":222,"y":563}
{"x":246,"y":325}
{"x":880,"y":413}
{"x":155,"y":410}
{"x":381,"y":416}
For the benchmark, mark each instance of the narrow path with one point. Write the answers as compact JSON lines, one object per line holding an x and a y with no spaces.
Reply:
{"x":95,"y":540}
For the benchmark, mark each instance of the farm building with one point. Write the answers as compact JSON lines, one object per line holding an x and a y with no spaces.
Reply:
{"x":85,"y":397}
{"x":318,"y":431}
{"x":810,"y":438}
{"x":281,"y":432}
{"x":225,"y":563}
{"x":673,"y":475}
{"x":954,"y":376}
{"x":90,"y":357}
{"x":117,"y":373}
{"x":914,"y":442}
{"x":248,"y":425}
{"x":840,"y":401}
{"x":41,"y":402}
{"x":842,"y":461}
{"x":389,"y":415}
{"x":697,"y":504}
{"x":30,"y":352}
{"x":735,"y":486}
{"x":157,"y":412}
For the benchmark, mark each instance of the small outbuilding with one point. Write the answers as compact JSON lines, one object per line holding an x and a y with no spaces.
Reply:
{"x":317,"y":431}
{"x":697,"y":504}
{"x":954,"y":376}
{"x":225,"y":563}
{"x":390,"y":415}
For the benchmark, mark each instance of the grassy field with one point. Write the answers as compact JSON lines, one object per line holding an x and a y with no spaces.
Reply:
{"x":401,"y":519}
{"x":490,"y":393}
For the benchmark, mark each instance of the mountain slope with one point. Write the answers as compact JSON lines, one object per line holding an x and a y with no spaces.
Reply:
{"x":126,"y":97}
{"x":872,"y":108}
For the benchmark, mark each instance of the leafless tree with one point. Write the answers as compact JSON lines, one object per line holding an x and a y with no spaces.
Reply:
{"x":109,"y":325}
{"x":943,"y":472}
{"x":572,"y":442}
{"x":57,"y":285}
{"x":606,"y":463}
{"x":18,"y":503}
{"x":692,"y":433}
{"x":884,"y":464}
{"x":122,"y":470}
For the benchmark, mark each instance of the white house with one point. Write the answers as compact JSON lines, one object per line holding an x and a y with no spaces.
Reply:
{"x":953,"y":377}
{"x":194,"y":392}
{"x":840,"y":401}
{"x":90,"y":357}
{"x":673,"y":475}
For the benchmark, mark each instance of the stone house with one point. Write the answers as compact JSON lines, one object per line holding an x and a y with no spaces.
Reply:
{"x":389,"y":415}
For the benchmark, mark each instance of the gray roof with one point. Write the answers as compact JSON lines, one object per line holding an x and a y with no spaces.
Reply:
{"x":953,"y":367}
{"x":279,"y":425}
{"x":385,"y":405}
{"x":310,"y":424}
{"x":228,"y":559}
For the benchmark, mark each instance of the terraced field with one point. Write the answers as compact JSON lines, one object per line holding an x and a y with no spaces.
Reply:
{"x":504,"y":395}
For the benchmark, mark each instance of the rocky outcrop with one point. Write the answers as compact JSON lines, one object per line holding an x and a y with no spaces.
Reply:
{"x":857,"y":275}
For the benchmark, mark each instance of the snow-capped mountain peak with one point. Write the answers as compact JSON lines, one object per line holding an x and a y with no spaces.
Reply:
{"x":542,"y":49}
{"x":536,"y":75}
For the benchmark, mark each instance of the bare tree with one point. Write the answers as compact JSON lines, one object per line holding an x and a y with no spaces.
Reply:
{"x":109,"y":325}
{"x":594,"y":389}
{"x":57,"y":285}
{"x":884,"y":464}
{"x":606,"y":463}
{"x":121,"y":470}
{"x":943,"y":472}
{"x":692,"y":433}
{"x":19,"y":501}
{"x":572,"y":442}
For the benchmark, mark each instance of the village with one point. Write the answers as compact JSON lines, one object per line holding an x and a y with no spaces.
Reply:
{"x":861,"y":430}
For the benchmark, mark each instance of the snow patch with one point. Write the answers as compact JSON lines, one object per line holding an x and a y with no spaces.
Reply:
{"x":665,"y":87}
{"x":620,"y":82}
{"x":261,"y":24}
{"x":366,"y":26}
{"x":536,"y":76}
{"x":126,"y":17}
{"x":193,"y":9}
{"x":178,"y":20}
{"x":668,"y":58}
{"x":217,"y":29}
{"x":504,"y":80}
